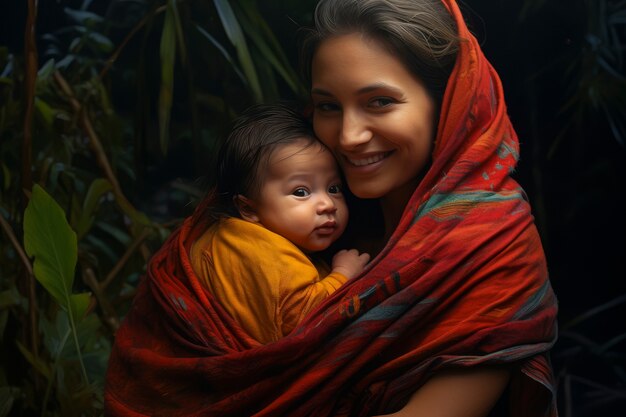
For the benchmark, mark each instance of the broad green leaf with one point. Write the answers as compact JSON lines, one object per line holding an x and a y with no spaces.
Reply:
{"x":79,"y":304}
{"x":51,"y":241}
{"x":97,"y":189}
{"x":236,"y":36}
{"x":168,"y":56}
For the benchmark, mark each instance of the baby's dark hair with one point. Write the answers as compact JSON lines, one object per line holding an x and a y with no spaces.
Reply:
{"x":243,"y":156}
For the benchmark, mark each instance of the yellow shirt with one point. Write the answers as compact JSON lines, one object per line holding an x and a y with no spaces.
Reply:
{"x":262,"y":279}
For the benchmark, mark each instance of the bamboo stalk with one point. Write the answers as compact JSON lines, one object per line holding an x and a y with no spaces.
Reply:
{"x":30,"y":82}
{"x":94,"y":140}
{"x":16,"y":245}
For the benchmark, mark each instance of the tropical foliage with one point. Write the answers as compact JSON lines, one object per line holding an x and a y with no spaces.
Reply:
{"x":109,"y":115}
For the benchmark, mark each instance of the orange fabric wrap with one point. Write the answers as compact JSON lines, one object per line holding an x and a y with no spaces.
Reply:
{"x":263,"y":280}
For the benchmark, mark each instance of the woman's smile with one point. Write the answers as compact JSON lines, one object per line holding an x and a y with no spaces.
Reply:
{"x":366,"y":160}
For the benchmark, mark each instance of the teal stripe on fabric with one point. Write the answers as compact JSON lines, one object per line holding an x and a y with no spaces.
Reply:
{"x":438,"y":201}
{"x":389,"y":333}
{"x":533,"y":302}
{"x":505,"y":150}
{"x":383,"y":313}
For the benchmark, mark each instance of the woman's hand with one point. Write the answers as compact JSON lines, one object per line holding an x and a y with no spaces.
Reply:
{"x":459,"y":393}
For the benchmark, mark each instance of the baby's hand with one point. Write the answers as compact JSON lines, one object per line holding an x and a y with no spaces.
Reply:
{"x":349,"y":262}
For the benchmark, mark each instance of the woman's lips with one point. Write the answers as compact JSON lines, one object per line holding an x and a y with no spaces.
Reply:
{"x":359,"y":161}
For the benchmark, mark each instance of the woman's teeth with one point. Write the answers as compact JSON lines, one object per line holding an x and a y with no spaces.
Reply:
{"x":368,"y":160}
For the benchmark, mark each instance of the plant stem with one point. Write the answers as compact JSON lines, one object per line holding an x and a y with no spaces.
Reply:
{"x":53,"y":374}
{"x":120,"y":264}
{"x":30,"y":80}
{"x":16,"y":245}
{"x":75,"y":336}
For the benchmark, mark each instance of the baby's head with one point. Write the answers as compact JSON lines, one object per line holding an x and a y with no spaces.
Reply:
{"x":273,"y":171}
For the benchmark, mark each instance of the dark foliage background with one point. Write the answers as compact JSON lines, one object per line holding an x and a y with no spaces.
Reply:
{"x":114,"y":108}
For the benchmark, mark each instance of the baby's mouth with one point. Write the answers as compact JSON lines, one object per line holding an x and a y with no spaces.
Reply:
{"x":327,"y":227}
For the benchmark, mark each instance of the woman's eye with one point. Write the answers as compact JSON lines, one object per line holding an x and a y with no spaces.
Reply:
{"x":334,"y":189}
{"x":300,"y":192}
{"x":326,"y":106}
{"x":380,"y":102}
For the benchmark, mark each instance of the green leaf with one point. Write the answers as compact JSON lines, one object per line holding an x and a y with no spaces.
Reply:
{"x":83,"y":17}
{"x":223,"y":51}
{"x":46,"y":70}
{"x":79,"y":304}
{"x":168,"y":55}
{"x":52,"y":242}
{"x":269,"y":46}
{"x":179,"y":33}
{"x":103,"y":43}
{"x":97,"y":189}
{"x":46,"y":112}
{"x":235,"y":34}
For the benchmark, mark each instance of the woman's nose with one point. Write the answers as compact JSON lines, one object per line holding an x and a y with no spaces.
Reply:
{"x":354,"y":131}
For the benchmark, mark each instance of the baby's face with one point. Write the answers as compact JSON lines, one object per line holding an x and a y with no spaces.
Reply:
{"x":301,"y":197}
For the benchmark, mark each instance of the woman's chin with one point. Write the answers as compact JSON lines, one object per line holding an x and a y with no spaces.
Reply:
{"x":365,"y":191}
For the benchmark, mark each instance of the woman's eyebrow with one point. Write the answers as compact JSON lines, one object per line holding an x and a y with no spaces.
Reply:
{"x":362,"y":90}
{"x":378,"y":86}
{"x":320,"y":92}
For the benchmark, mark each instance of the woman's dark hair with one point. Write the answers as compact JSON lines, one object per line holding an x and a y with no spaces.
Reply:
{"x":244,"y":155}
{"x":421,"y":33}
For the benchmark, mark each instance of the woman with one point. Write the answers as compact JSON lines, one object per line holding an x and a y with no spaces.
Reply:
{"x":455,"y":308}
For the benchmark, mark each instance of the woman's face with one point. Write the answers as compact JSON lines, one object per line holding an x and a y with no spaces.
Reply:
{"x":374,"y":114}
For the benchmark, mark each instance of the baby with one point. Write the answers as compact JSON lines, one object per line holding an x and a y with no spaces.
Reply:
{"x":278,"y":201}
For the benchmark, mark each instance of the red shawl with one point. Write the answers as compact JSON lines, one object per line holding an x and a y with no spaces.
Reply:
{"x":462,"y":282}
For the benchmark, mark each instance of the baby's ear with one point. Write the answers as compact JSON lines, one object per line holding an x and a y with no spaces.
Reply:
{"x":245,"y":208}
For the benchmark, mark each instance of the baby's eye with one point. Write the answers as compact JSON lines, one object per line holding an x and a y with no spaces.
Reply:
{"x":300,"y":192}
{"x":334,"y":189}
